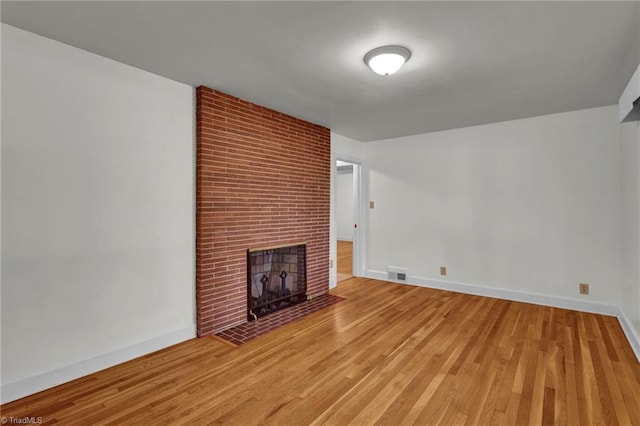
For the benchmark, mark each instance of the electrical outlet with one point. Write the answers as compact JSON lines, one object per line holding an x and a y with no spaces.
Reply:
{"x":443,"y":270}
{"x":330,"y":263}
{"x":372,"y":204}
{"x":584,"y":288}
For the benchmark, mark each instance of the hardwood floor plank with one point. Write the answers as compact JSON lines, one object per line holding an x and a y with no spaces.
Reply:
{"x":388,"y":354}
{"x":548,"y":405}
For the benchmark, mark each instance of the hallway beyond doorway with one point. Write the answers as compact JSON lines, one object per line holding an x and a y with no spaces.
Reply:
{"x":345,"y":260}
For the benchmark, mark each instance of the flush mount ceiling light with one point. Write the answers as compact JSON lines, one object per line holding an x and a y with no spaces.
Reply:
{"x":386,"y":60}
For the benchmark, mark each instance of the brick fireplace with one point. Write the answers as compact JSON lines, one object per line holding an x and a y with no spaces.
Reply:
{"x":262,"y":180}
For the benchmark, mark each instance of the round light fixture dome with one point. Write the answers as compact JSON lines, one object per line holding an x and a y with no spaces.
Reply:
{"x":386,"y":60}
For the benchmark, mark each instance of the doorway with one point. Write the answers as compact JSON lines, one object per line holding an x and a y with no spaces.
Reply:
{"x":347,"y":219}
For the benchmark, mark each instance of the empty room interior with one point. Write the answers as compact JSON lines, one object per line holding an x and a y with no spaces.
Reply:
{"x":320,"y":212}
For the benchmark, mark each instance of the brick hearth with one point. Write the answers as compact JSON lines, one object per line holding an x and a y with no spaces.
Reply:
{"x":248,"y":331}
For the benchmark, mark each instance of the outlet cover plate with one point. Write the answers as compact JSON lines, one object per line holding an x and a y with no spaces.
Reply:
{"x":584,"y":288}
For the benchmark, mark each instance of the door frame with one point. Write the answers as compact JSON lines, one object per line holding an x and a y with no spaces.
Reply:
{"x":358,"y":214}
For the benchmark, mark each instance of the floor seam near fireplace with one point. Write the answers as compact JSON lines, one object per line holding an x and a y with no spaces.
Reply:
{"x":245,"y":332}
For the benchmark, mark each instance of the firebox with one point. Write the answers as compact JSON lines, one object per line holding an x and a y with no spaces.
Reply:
{"x":276,"y":278}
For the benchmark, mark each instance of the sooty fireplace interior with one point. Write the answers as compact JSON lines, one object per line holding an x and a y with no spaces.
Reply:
{"x":276,"y":278}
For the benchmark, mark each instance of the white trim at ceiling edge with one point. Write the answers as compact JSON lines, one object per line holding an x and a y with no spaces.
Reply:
{"x":520,"y":296}
{"x":39,"y":382}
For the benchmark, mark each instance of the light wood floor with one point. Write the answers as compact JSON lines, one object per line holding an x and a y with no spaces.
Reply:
{"x":345,"y":260}
{"x":390,"y":354}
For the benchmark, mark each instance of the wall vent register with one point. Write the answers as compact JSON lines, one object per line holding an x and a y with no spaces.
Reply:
{"x":397,"y":274}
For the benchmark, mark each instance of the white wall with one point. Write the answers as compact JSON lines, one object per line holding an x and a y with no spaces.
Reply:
{"x":344,"y":204}
{"x":529,"y":206}
{"x":345,"y":147}
{"x":97,"y":212}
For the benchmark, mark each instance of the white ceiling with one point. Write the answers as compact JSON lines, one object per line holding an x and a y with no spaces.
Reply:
{"x":472,"y":62}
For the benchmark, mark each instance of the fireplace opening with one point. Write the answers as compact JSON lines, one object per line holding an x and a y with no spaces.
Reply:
{"x":276,"y":279}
